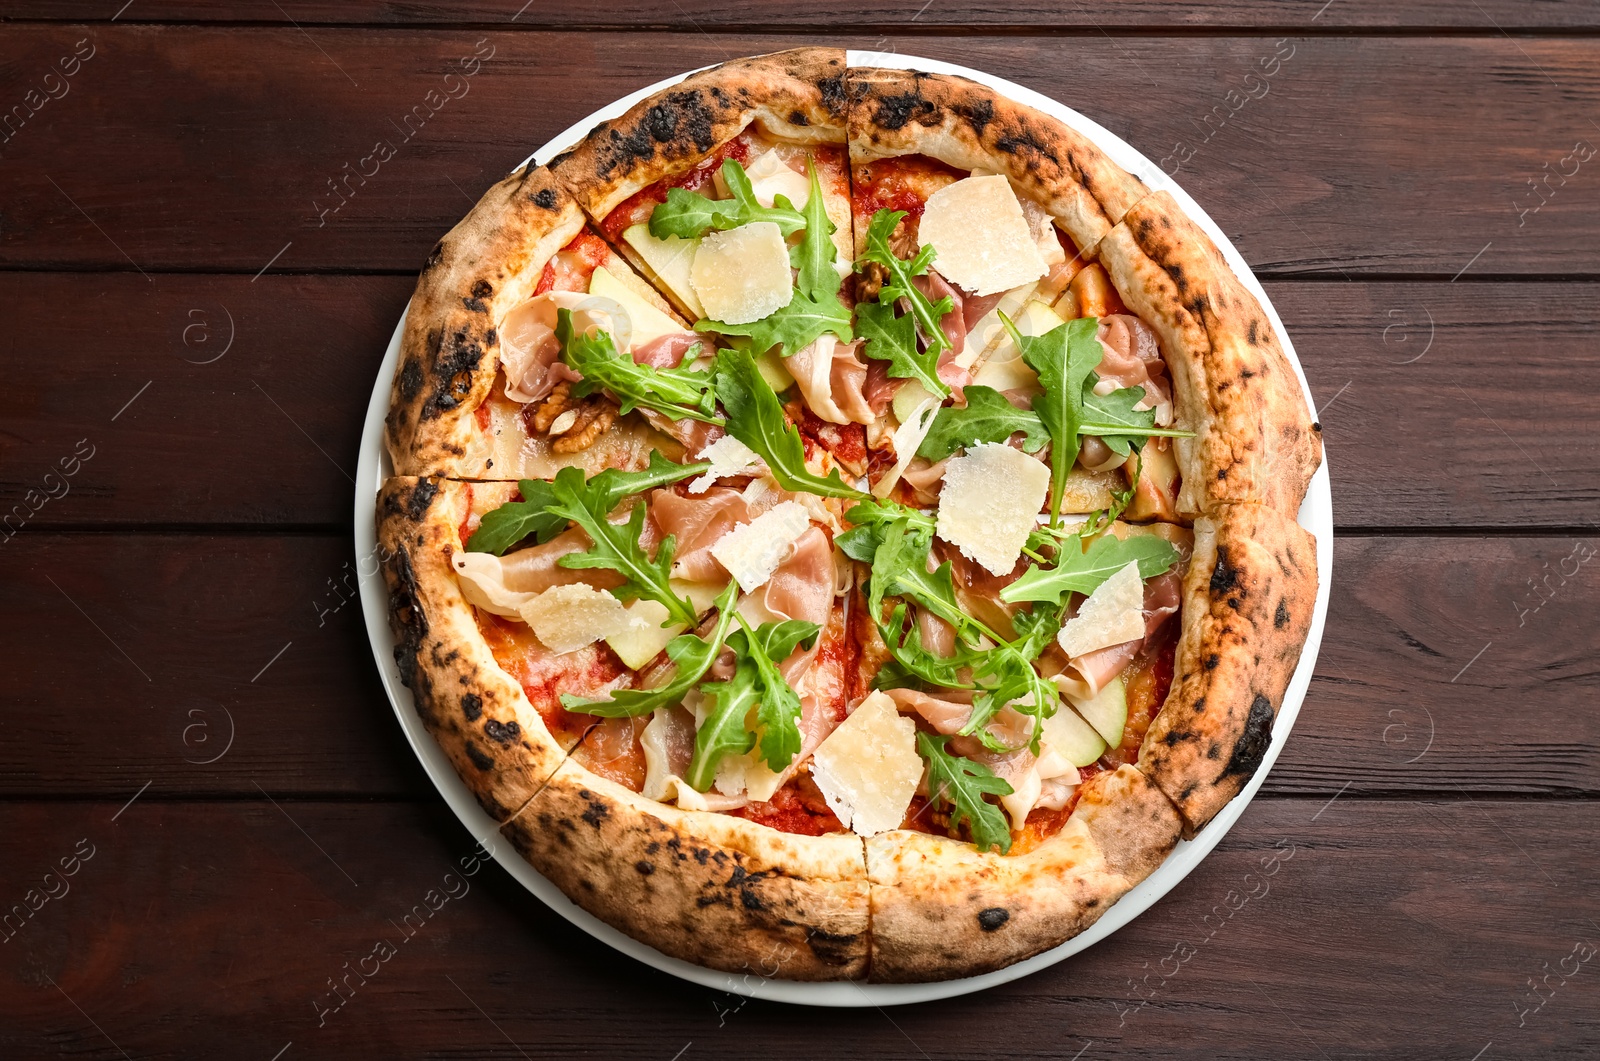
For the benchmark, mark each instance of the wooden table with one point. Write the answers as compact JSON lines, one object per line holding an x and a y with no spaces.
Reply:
{"x":202,"y":786}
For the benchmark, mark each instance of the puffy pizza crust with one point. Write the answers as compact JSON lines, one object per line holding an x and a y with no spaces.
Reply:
{"x":480,"y":717}
{"x":1254,"y":440}
{"x":449,"y":355}
{"x":797,"y":95}
{"x":707,"y":888}
{"x":971,"y":127}
{"x":1248,"y":598}
{"x":941,"y":909}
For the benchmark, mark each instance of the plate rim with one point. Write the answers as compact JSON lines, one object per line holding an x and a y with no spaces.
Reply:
{"x":1315,"y":515}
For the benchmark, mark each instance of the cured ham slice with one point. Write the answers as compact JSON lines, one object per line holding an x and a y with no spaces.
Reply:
{"x":698,"y":523}
{"x":832,"y":378}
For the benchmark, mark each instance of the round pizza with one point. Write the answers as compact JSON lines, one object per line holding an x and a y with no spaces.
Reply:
{"x":843,"y":525}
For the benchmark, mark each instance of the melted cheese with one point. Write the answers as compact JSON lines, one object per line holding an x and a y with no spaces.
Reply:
{"x":742,"y":275}
{"x":868,"y":768}
{"x":983,"y":242}
{"x":990,"y":502}
{"x":1112,"y":615}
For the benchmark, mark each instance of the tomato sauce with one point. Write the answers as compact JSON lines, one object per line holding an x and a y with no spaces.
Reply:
{"x":572,"y":266}
{"x":795,"y":808}
{"x":544,"y":675}
{"x":902,"y":183}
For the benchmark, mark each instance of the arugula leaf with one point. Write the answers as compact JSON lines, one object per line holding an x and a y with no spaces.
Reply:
{"x":779,"y":712}
{"x":910,"y":663}
{"x":925,"y":312}
{"x":988,"y":417}
{"x":814,"y":255}
{"x":513,"y":521}
{"x":797,"y":325}
{"x":691,"y":215}
{"x":869,"y":517}
{"x":962,"y":784}
{"x":725,"y":730}
{"x":1064,"y":357}
{"x":894,"y":339}
{"x":1105,"y":414}
{"x":900,"y":569}
{"x":755,"y":417}
{"x":1083,"y":569}
{"x":693,"y":656}
{"x":615,"y":546}
{"x":679,"y":393}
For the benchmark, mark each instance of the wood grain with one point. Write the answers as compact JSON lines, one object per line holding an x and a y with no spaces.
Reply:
{"x":1322,"y":173}
{"x":844,"y":16}
{"x":1421,"y":428}
{"x":150,"y":946}
{"x":134,"y":652}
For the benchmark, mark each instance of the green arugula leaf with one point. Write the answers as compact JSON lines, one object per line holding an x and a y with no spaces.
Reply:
{"x":779,"y":711}
{"x":513,"y":521}
{"x":962,"y":784}
{"x":925,"y":312}
{"x":615,"y":546}
{"x":679,"y":393}
{"x":755,"y":417}
{"x":869,"y":517}
{"x":911,"y":664}
{"x":814,"y":255}
{"x":726,"y":730}
{"x":1104,"y":414}
{"x":1063,"y":357}
{"x":988,"y":417}
{"x":900,"y":569}
{"x":797,"y":325}
{"x":894,"y":339}
{"x":691,"y":215}
{"x":693,"y":656}
{"x":1081,"y":568}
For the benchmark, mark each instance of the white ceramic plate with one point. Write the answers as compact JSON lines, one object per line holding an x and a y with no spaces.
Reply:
{"x":1316,"y":515}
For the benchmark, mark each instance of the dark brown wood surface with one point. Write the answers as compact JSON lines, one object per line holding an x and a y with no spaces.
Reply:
{"x":192,"y":720}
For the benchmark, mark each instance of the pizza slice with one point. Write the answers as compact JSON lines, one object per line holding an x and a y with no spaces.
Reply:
{"x":731,"y":192}
{"x":493,"y":385}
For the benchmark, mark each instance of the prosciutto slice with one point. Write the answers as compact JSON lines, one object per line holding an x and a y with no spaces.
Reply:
{"x":492,"y":582}
{"x":529,"y":351}
{"x":833,"y":380}
{"x":698,"y":523}
{"x":1132,"y":358}
{"x":1087,"y":674}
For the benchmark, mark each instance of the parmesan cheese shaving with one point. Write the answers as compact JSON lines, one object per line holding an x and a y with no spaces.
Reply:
{"x":1112,"y":615}
{"x":742,"y":275}
{"x":907,"y":437}
{"x":566,"y":618}
{"x":989,"y":502}
{"x":728,"y":456}
{"x":868,"y":768}
{"x":982,"y":240}
{"x":752,"y":552}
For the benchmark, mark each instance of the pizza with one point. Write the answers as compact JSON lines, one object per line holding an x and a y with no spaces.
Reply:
{"x":843,"y":525}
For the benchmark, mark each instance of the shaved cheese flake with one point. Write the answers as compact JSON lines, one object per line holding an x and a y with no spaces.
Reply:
{"x":653,"y":741}
{"x":907,"y":437}
{"x":982,"y":239}
{"x":742,"y":275}
{"x":1024,"y":794}
{"x":989,"y":502}
{"x":752,"y":552}
{"x":683,"y":794}
{"x":1043,"y":227}
{"x":566,"y":618}
{"x":728,"y":456}
{"x":1112,"y":615}
{"x":770,"y":176}
{"x":868,"y":768}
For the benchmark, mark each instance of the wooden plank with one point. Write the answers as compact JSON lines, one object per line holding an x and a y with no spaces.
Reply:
{"x":1389,"y":930}
{"x":1355,"y":156}
{"x":1422,"y":429}
{"x":134,"y":656}
{"x":896,"y":15}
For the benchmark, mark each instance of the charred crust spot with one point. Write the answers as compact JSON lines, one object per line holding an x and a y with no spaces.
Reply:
{"x":652,"y":847}
{"x":1091,"y":903}
{"x":422,"y":496}
{"x":480,"y":291}
{"x":1280,"y":618}
{"x":1247,"y":374}
{"x":503,"y":732}
{"x":1188,"y":790}
{"x":1212,"y":661}
{"x":979,"y":114}
{"x":1024,"y":139}
{"x":1214,"y":751}
{"x":894,"y":112}
{"x":406,"y":618}
{"x":1255,"y":333}
{"x":435,"y":256}
{"x":410,"y":379}
{"x":545,"y":198}
{"x":797,"y":118}
{"x":644,"y":868}
{"x":1199,"y":704}
{"x":596,"y":812}
{"x":834,"y":96}
{"x":701,"y":855}
{"x":991,"y":919}
{"x":1254,"y":741}
{"x":680,"y":118}
{"x":458,"y":358}
{"x":1224,"y":579}
{"x":1178,"y":736}
{"x":751,"y":900}
{"x":472,"y":706}
{"x":479,"y":758}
